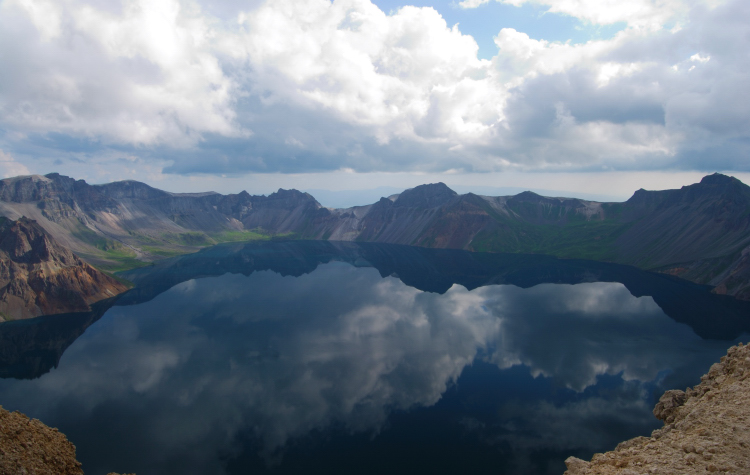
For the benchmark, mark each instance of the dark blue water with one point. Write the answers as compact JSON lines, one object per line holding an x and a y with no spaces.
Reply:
{"x":316,"y":357}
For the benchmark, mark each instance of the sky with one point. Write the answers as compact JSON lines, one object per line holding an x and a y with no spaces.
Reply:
{"x":575,"y":97}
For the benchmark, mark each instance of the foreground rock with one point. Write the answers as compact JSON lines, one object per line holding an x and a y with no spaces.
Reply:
{"x":706,"y":429}
{"x":29,"y":446}
{"x":40,"y":277}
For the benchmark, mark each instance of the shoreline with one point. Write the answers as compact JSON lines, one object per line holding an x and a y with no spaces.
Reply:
{"x":706,"y":428}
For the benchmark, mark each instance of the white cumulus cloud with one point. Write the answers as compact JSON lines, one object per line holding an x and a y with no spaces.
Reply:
{"x":144,"y":74}
{"x":288,"y":86}
{"x":9,"y":167}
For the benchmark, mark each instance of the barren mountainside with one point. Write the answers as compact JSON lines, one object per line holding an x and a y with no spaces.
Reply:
{"x":40,"y":277}
{"x":700,"y":232}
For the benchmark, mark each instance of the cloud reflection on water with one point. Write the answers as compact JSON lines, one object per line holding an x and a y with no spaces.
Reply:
{"x":174,"y":379}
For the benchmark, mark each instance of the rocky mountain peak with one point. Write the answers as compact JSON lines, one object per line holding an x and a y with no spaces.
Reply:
{"x":25,"y":241}
{"x":641,"y":196}
{"x":529,"y":197}
{"x":710,"y":185}
{"x":426,"y":196}
{"x":31,"y":178}
{"x":534,"y":198}
{"x":718,"y":179}
{"x":290,"y":198}
{"x":728,"y":187}
{"x":62,"y":182}
{"x":130,"y":189}
{"x":25,"y":188}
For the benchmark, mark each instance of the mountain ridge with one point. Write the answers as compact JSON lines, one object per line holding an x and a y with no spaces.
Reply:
{"x":700,"y":232}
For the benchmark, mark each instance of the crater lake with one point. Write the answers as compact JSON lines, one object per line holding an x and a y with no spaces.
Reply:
{"x":296,"y":357}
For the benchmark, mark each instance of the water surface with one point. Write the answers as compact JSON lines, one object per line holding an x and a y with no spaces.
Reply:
{"x":319,"y":357}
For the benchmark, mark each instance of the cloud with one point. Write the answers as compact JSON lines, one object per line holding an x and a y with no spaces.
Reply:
{"x":143,"y":75}
{"x":389,"y":74}
{"x":290,"y":87}
{"x":584,"y":314}
{"x":361,"y":347}
{"x":9,"y":167}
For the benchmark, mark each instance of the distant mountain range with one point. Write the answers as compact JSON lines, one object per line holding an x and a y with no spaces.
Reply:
{"x":700,"y":232}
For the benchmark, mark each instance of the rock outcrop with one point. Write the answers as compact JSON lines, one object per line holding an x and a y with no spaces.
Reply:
{"x":40,"y":277}
{"x":29,"y":446}
{"x":706,"y":429}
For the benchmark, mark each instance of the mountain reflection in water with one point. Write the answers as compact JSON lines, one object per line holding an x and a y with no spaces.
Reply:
{"x":31,"y":348}
{"x":304,"y":356}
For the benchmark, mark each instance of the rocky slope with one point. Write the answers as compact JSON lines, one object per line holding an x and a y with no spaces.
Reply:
{"x":700,"y":232}
{"x":29,"y":446}
{"x":128,"y":220}
{"x":40,"y":277}
{"x":703,"y":221}
{"x":706,"y":429}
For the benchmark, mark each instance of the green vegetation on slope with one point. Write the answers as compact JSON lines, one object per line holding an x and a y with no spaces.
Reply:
{"x":118,"y":258}
{"x":241,"y":236}
{"x":578,"y":239}
{"x":193,"y":238}
{"x":116,"y":261}
{"x":114,"y":256}
{"x":84,"y":234}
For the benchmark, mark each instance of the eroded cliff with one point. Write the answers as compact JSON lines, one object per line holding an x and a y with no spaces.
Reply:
{"x":40,"y":277}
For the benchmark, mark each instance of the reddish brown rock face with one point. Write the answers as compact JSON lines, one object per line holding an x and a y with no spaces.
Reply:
{"x":40,"y":277}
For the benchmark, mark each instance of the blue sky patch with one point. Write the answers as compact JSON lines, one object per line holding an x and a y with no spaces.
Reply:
{"x":485,"y":22}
